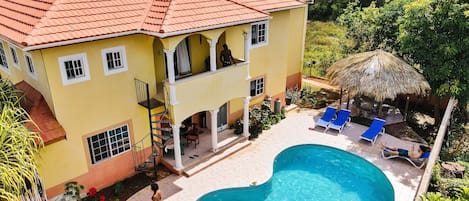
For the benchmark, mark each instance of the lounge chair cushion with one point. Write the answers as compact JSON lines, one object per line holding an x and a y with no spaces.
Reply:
{"x":340,"y":122}
{"x":375,"y":129}
{"x":326,"y":117}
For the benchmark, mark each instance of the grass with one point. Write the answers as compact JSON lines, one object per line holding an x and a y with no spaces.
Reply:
{"x":325,"y":43}
{"x":310,"y":86}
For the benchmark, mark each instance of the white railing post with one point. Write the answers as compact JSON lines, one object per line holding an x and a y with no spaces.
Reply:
{"x":427,"y":174}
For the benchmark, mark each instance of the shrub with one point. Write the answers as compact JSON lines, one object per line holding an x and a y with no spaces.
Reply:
{"x":73,"y":191}
{"x":262,"y":118}
{"x":312,"y":99}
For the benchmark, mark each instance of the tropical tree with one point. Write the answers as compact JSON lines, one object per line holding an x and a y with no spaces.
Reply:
{"x":387,"y":25}
{"x":326,"y":10}
{"x":434,"y":34}
{"x":19,"y":147}
{"x":361,"y":26}
{"x":374,"y":27}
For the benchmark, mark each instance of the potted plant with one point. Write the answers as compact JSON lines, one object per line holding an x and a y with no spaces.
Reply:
{"x":238,"y":126}
{"x":291,"y":96}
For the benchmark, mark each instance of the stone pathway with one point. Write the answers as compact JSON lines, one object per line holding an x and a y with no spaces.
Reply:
{"x":254,"y":163}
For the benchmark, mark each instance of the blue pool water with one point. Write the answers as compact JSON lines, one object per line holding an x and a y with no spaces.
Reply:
{"x":315,"y":172}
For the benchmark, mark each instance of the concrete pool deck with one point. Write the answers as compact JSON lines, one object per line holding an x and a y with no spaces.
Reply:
{"x":255,"y":162}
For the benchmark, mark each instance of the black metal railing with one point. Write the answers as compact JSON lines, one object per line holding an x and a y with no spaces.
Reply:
{"x":143,"y":98}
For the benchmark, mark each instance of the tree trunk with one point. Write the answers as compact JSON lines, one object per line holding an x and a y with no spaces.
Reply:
{"x":437,"y":111}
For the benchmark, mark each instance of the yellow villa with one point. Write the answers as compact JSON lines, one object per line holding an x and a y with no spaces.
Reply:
{"x":103,"y":78}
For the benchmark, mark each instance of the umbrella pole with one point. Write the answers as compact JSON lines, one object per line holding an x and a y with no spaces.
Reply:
{"x":348,"y":99}
{"x":380,"y":109}
{"x":340,"y":100}
{"x":406,"y":107}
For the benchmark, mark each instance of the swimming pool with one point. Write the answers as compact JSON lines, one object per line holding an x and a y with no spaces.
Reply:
{"x":315,"y":172}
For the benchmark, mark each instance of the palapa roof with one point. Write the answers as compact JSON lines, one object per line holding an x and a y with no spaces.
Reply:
{"x":377,"y":74}
{"x":37,"y":22}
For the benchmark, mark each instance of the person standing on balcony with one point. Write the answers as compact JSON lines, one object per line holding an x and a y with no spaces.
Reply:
{"x":225,"y":57}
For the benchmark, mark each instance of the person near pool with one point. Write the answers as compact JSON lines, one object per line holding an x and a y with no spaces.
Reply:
{"x":414,"y":152}
{"x":156,"y":192}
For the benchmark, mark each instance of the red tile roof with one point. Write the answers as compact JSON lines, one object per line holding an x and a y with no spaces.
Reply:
{"x":36,"y":22}
{"x":49,"y":128}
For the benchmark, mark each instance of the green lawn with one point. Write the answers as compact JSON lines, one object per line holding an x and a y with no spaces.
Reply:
{"x":325,"y":43}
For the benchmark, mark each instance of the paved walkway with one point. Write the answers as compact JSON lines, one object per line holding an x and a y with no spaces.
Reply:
{"x":254,"y":163}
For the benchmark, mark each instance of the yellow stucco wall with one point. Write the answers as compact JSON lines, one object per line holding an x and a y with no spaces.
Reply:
{"x":14,"y":74}
{"x":280,"y":58}
{"x":296,"y":39}
{"x":270,"y":60}
{"x":199,"y":52}
{"x":209,"y":91}
{"x":20,"y":72}
{"x":86,"y":107}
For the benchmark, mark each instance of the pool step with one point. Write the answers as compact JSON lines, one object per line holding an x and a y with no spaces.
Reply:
{"x":211,"y":159}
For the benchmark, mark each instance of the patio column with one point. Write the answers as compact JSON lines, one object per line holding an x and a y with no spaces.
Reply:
{"x":170,"y":65}
{"x":177,"y":146}
{"x":213,"y":116}
{"x":213,"y":54}
{"x":246,"y":116}
{"x":247,"y":45}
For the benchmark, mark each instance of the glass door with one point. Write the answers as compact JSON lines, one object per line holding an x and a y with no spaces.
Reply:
{"x":222,"y":117}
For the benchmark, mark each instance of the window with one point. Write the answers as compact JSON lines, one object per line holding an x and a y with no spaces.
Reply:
{"x":14,"y":56}
{"x":29,"y":65}
{"x":74,"y":68}
{"x":109,"y":144}
{"x":3,"y":59}
{"x":114,"y":60}
{"x":257,"y":87}
{"x":259,"y":34}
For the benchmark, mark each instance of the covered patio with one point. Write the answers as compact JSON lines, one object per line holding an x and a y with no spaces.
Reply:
{"x":198,"y":156}
{"x":255,"y":162}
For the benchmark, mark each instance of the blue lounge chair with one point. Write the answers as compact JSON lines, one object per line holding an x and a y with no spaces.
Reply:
{"x":339,"y":123}
{"x":376,"y":128}
{"x":326,"y":117}
{"x":416,"y":162}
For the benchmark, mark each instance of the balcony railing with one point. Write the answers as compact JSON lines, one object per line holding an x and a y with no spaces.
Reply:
{"x":208,"y":90}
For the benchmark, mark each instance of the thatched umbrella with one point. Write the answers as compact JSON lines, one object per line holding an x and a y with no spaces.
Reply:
{"x":377,"y":74}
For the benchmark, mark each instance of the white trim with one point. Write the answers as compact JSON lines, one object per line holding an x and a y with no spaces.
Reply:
{"x":176,"y":33}
{"x":123,"y":60}
{"x":6,"y":68}
{"x":63,"y":71}
{"x":109,"y":144}
{"x":256,"y":89}
{"x":160,"y":35}
{"x":286,"y":8}
{"x":266,"y":35}
{"x":81,"y":40}
{"x":28,"y":68}
{"x":17,"y":63}
{"x":224,"y":126}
